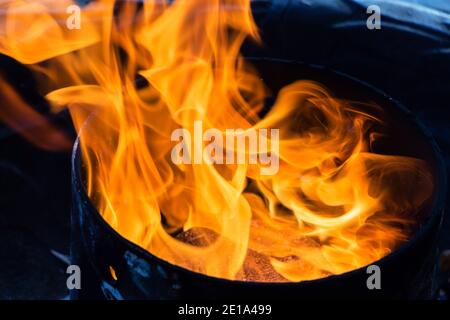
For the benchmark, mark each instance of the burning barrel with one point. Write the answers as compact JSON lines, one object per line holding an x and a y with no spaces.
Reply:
{"x":116,"y":268}
{"x":216,"y":176}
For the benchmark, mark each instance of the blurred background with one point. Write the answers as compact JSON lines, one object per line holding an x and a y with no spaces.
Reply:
{"x":409,"y":59}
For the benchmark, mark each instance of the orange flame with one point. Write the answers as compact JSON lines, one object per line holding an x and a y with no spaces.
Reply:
{"x":332,"y":207}
{"x":18,"y":115}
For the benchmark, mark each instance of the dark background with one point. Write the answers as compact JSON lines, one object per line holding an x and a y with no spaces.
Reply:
{"x":409,"y":58}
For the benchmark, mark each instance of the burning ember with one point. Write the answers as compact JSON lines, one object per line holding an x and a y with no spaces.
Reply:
{"x":331,"y":206}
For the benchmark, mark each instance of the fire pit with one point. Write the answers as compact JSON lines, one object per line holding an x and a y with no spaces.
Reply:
{"x":117,"y":268}
{"x":199,"y":173}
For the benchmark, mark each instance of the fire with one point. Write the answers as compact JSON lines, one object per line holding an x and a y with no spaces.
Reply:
{"x":135,"y":73}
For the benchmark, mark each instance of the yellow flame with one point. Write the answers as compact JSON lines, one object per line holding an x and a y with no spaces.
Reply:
{"x":332,"y":207}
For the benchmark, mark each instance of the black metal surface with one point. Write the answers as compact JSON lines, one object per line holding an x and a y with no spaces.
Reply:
{"x":96,"y":246}
{"x":34,"y":221}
